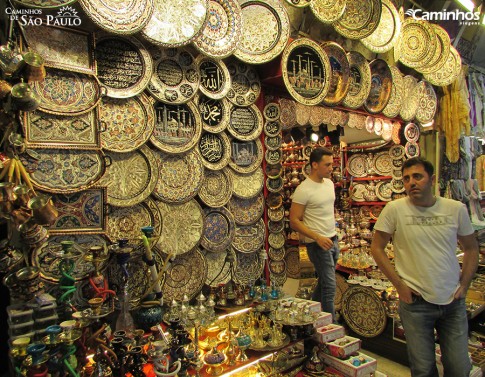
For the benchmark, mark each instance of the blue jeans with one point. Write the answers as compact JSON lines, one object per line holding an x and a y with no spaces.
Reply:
{"x":324,"y":262}
{"x":419,"y":319}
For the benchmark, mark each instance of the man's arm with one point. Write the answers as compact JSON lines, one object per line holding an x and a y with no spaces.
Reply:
{"x":296,"y":222}
{"x":469,"y":245}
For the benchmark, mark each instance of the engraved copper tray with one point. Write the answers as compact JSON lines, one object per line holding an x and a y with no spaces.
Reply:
{"x":276,"y":214}
{"x":265,"y":31}
{"x":328,"y":11}
{"x":215,"y":150}
{"x":248,"y":268}
{"x":215,"y":80}
{"x":395,"y":102}
{"x":339,"y":82}
{"x":359,"y":80}
{"x":360,"y":19}
{"x":381,"y":86}
{"x":222,"y":32}
{"x":124,"y":65}
{"x":246,"y":156}
{"x":306,"y":71}
{"x":292,"y":259}
{"x":214,"y":113}
{"x":247,"y":186}
{"x":218,"y":271}
{"x":386,"y":35}
{"x":449,"y":72}
{"x":276,"y":240}
{"x":246,"y":86}
{"x":132,"y":177}
{"x":180,"y":176}
{"x":427,"y":103}
{"x":442,"y":51}
{"x":246,"y":211}
{"x":245,"y":123}
{"x":216,"y":189}
{"x":276,"y":254}
{"x":417,"y":43}
{"x":219,"y":229}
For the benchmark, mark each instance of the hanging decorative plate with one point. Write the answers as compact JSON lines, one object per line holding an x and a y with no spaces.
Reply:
{"x":273,"y":171}
{"x":175,"y":23}
{"x":357,"y":165}
{"x":396,"y":152}
{"x":124,"y":65}
{"x":183,"y":226}
{"x":276,"y":226}
{"x":82,"y":212}
{"x":384,"y":191}
{"x":388,"y":30}
{"x":386,"y":129}
{"x":299,"y":3}
{"x":215,"y":80}
{"x":180,"y":176}
{"x":177,"y":128}
{"x":364,"y":311}
{"x":411,"y":132}
{"x":175,"y":79}
{"x":265,"y":31}
{"x":427,"y":103}
{"x":340,"y":68}
{"x":441,"y":53}
{"x":274,"y":200}
{"x":276,"y":254}
{"x":397,"y":185}
{"x":396,"y":131}
{"x":44,"y":4}
{"x":249,"y":238}
{"x":359,"y":80}
{"x":131,"y":178}
{"x":382,"y":163}
{"x":449,"y":72}
{"x":358,"y":191}
{"x":397,"y":162}
{"x":67,"y":93}
{"x":185,"y":276}
{"x":417,"y":43}
{"x":276,"y":214}
{"x":272,"y":128}
{"x":273,"y":156}
{"x":315,"y":116}
{"x":277,"y":240}
{"x":411,"y":149}
{"x":369,"y":124}
{"x":221,"y":34}
{"x":246,"y":156}
{"x":246,"y":211}
{"x":219,"y":229}
{"x":47,"y":257}
{"x":360,"y":19}
{"x":278,"y":279}
{"x":127,"y":124}
{"x":216,"y":189}
{"x":248,"y":268}
{"x":126,"y":222}
{"x":396,"y":174}
{"x":67,"y":170}
{"x":272,"y":143}
{"x":218,"y":270}
{"x":245,"y":123}
{"x":302,"y":114}
{"x":411,"y":103}
{"x":328,"y":11}
{"x":381,"y":86}
{"x":306,"y":72}
{"x":247,"y":186}
{"x":44,"y":130}
{"x":292,"y":259}
{"x":215,"y":150}
{"x":360,"y":122}
{"x":274,"y":184}
{"x":272,"y":112}
{"x":395,"y":102}
{"x":246,"y":86}
{"x":288,"y":113}
{"x":121,"y":17}
{"x":378,"y":126}
{"x":277,"y":266}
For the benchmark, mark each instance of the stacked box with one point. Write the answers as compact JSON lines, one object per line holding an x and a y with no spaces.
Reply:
{"x":349,"y":365}
{"x":342,"y":347}
{"x":322,"y":320}
{"x":328,"y":333}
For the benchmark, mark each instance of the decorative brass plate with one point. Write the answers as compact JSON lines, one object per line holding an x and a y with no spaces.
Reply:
{"x":248,"y":268}
{"x":216,"y":189}
{"x":382,"y":163}
{"x":276,"y":226}
{"x":277,"y":240}
{"x":410,"y":98}
{"x":246,"y":211}
{"x":246,"y":86}
{"x":381,"y":86}
{"x":219,"y":229}
{"x":288,"y":113}
{"x":396,"y":98}
{"x":218,"y":271}
{"x":357,"y":165}
{"x":412,"y":149}
{"x":215,"y":150}
{"x":302,"y":114}
{"x":272,"y":111}
{"x":273,"y":156}
{"x":246,"y":156}
{"x":417,"y":43}
{"x":214,"y":113}
{"x":306,"y":71}
{"x":277,"y":266}
{"x":215,"y":80}
{"x":411,"y":132}
{"x":360,"y":19}
{"x":276,"y":254}
{"x":272,"y":128}
{"x":249,"y":238}
{"x":442,"y":51}
{"x":449,"y":72}
{"x":276,"y":214}
{"x":247,"y":186}
{"x":292,"y":259}
{"x":272,"y":143}
{"x":339,"y":81}
{"x":388,"y":30}
{"x":359,"y":80}
{"x":245,"y":123}
{"x":427,"y":103}
{"x":328,"y":11}
{"x":274,"y":184}
{"x":299,"y":3}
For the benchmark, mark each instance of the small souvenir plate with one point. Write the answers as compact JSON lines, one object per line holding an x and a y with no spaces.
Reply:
{"x":328,"y":11}
{"x":246,"y":156}
{"x":382,"y":163}
{"x":386,"y":129}
{"x":245,"y":123}
{"x":167,"y":30}
{"x":387,"y":33}
{"x":288,"y":113}
{"x":396,"y":173}
{"x":216,"y":189}
{"x":180,"y":176}
{"x":396,"y":131}
{"x":292,"y":259}
{"x":276,"y":214}
{"x":215,"y":150}
{"x":247,"y":186}
{"x":249,"y":238}
{"x":215,"y":80}
{"x":273,"y":156}
{"x":274,"y":200}
{"x":369,"y":124}
{"x":277,"y":240}
{"x":272,"y":143}
{"x":246,"y":86}
{"x":218,"y":271}
{"x":395,"y":102}
{"x":427,"y":103}
{"x":412,"y":149}
{"x":359,"y":80}
{"x":302,"y":114}
{"x":411,"y":132}
{"x":176,"y":78}
{"x":246,"y":211}
{"x":316,"y":115}
{"x":358,"y":191}
{"x":304,"y":62}
{"x":276,"y":254}
{"x":360,"y":19}
{"x":273,"y":171}
{"x":378,"y":126}
{"x":449,"y":72}
{"x":411,"y":98}
{"x":417,"y":42}
{"x":381,"y":86}
{"x":248,"y":268}
{"x":442,"y":51}
{"x":274,"y":184}
{"x":177,"y":127}
{"x":339,"y":64}
{"x":357,"y":165}
{"x":396,"y":152}
{"x":276,"y":226}
{"x":397,"y":185}
{"x":384,"y":191}
{"x":397,"y":162}
{"x":277,"y":266}
{"x":272,"y":112}
{"x":222,"y":32}
{"x":219,"y":229}
{"x":272,"y":128}
{"x":268,"y":20}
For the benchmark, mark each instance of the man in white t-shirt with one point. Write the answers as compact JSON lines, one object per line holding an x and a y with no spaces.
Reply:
{"x":425,"y":230}
{"x":312,"y":215}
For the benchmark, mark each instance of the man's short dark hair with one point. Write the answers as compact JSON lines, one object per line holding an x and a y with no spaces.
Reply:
{"x":428,"y":166}
{"x":318,"y":153}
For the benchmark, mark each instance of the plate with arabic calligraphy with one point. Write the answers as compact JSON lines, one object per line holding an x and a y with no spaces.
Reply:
{"x":340,"y":67}
{"x":360,"y":19}
{"x":124,"y":65}
{"x":183,"y":226}
{"x":215,"y":150}
{"x":68,"y":170}
{"x":417,"y":43}
{"x":442,"y":51}
{"x":216,"y":189}
{"x":167,"y":30}
{"x":306,"y":71}
{"x":427,"y":103}
{"x":396,"y":152}
{"x":274,"y":184}
{"x":177,"y":128}
{"x":272,"y":112}
{"x":246,"y":156}
{"x":180,"y":176}
{"x":132,"y":177}
{"x":215,"y":80}
{"x":273,"y":156}
{"x":272,"y":128}
{"x":272,"y":143}
{"x":220,"y":35}
{"x":246,"y":211}
{"x":249,"y":238}
{"x":449,"y":72}
{"x":127,"y":123}
{"x":218,"y":271}
{"x":246,"y":86}
{"x":214,"y":113}
{"x":67,"y":93}
{"x":386,"y":35}
{"x":411,"y":132}
{"x":245,"y":123}
{"x":359,"y":80}
{"x":395,"y":102}
{"x":219,"y":229}
{"x":412,"y":149}
{"x":328,"y":11}
{"x":381,"y":86}
{"x":247,"y":186}
{"x":265,"y":31}
{"x":248,"y":268}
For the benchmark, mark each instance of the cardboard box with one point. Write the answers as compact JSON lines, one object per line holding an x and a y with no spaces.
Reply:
{"x":314,"y":306}
{"x":322,"y":320}
{"x":328,"y":333}
{"x":346,"y":366}
{"x":342,"y":347}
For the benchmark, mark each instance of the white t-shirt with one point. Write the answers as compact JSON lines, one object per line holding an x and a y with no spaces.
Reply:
{"x":425,"y":240}
{"x":318,"y":199}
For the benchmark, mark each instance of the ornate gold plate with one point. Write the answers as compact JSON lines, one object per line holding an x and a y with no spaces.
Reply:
{"x":388,"y":30}
{"x":215,"y":80}
{"x":216,"y":189}
{"x":449,"y":72}
{"x":246,"y":156}
{"x":410,"y":98}
{"x":339,"y":82}
{"x":272,"y":111}
{"x":246,"y":86}
{"x":219,"y":229}
{"x":218,"y":271}
{"x":245,"y":123}
{"x":396,"y":98}
{"x":328,"y":11}
{"x":214,"y":113}
{"x":360,"y":19}
{"x":427,"y":103}
{"x":247,"y":186}
{"x":246,"y":211}
{"x":359,"y":80}
{"x":215,"y":150}
{"x":417,"y":43}
{"x":288,"y":113}
{"x":249,"y":238}
{"x":248,"y":268}
{"x":381,"y":86}
{"x":442,"y":51}
{"x":302,"y":114}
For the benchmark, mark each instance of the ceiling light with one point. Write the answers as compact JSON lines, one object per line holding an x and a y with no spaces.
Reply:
{"x":468,"y":4}
{"x":314,"y":137}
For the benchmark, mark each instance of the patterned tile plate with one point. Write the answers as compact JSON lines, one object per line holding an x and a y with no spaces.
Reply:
{"x":357,"y":165}
{"x":276,"y":214}
{"x":410,"y":98}
{"x":382,"y":163}
{"x":328,"y":11}
{"x":277,"y":266}
{"x":427,"y":103}
{"x":246,"y":211}
{"x":246,"y":86}
{"x":131,"y":178}
{"x":277,"y":240}
{"x":219,"y":229}
{"x":183,"y":226}
{"x":359,"y":80}
{"x":381,"y":86}
{"x":180,"y":176}
{"x":360,"y":19}
{"x":248,"y":268}
{"x":175,"y":23}
{"x":215,"y":150}
{"x":216,"y":189}
{"x":340,"y":66}
{"x":124,"y":65}
{"x":214,"y":113}
{"x":449,"y":72}
{"x":246,"y":156}
{"x":442,"y":51}
{"x":67,"y":170}
{"x":245,"y":123}
{"x":215,"y":80}
{"x":395,"y":102}
{"x":276,"y":226}
{"x":417,"y":43}
{"x":218,"y":270}
{"x":126,"y":124}
{"x":276,"y":254}
{"x":265,"y":31}
{"x":387,"y":33}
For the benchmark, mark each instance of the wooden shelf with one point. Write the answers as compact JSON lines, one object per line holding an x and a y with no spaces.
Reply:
{"x":372,"y":178}
{"x":369,"y":203}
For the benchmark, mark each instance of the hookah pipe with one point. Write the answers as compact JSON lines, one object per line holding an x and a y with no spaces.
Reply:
{"x":66,"y":266}
{"x":71,"y":350}
{"x":148,"y":258}
{"x":100,"y":343}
